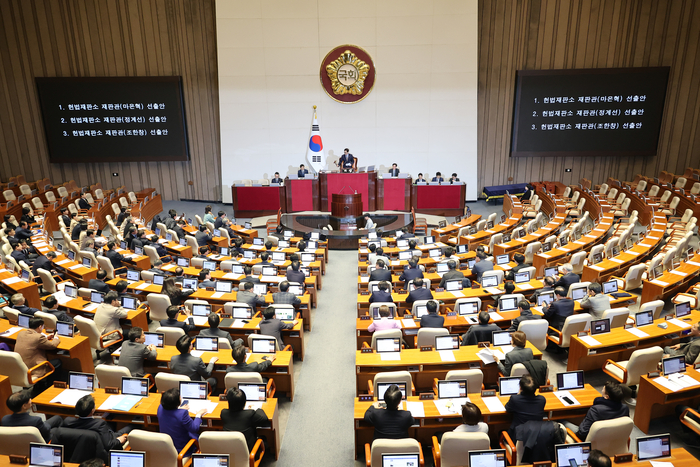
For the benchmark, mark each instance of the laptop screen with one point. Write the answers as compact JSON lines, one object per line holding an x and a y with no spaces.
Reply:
{"x":578,"y":293}
{"x":492,"y":458}
{"x":388,"y":344}
{"x":138,"y":250}
{"x":428,"y":240}
{"x":132,"y":275}
{"x":509,"y":386}
{"x":189,"y":284}
{"x":288,"y":234}
{"x":452,"y":389}
{"x":434,"y":253}
{"x":673,"y":365}
{"x":546,"y":247}
{"x":87,"y":262}
{"x":123,"y":245}
{"x":237,"y":269}
{"x":241,"y":312}
{"x":600,"y":326}
{"x":70,"y":291}
{"x":83,"y":381}
{"x":682,"y":309}
{"x":155,"y":338}
{"x":402,"y":243}
{"x":127,"y":458}
{"x":296,"y":290}
{"x":258,"y":241}
{"x":183,"y":262}
{"x":570,"y":380}
{"x":522,"y":277}
{"x":260,"y":289}
{"x":509,"y":303}
{"x":406,"y":255}
{"x":285,"y":314}
{"x":224,"y":286}
{"x":489,"y":281}
{"x":129,"y":303}
{"x":206,"y":344}
{"x":471,"y":263}
{"x":201,"y":310}
{"x":400,"y":460}
{"x":547,"y":297}
{"x":577,"y":452}
{"x":609,"y":287}
{"x":500,"y":338}
{"x":308,"y":257}
{"x":371,"y":235}
{"x":548,"y":272}
{"x":269,"y":271}
{"x":168,"y":237}
{"x":278,"y":256}
{"x":158,"y":279}
{"x":652,"y":447}
{"x":71,"y":255}
{"x":23,"y":320}
{"x":96,"y":297}
{"x":382,"y":387}
{"x":597,"y":258}
{"x":183,"y":241}
{"x":223,"y":251}
{"x":64,"y":329}
{"x":462,"y":249}
{"x":211,"y":265}
{"x":502,"y":259}
{"x":50,"y":455}
{"x":441,"y":267}
{"x":644,"y":318}
{"x":468,"y":308}
{"x":450,"y":342}
{"x":135,"y":386}
{"x":193,"y":390}
{"x":263,"y":346}
{"x":454,"y":285}
{"x":254,"y":391}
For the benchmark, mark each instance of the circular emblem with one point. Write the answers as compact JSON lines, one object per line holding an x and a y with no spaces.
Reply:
{"x":347,"y":74}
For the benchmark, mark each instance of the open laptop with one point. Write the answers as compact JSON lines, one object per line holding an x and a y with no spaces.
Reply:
{"x":489,"y":281}
{"x":224,"y":286}
{"x":130,"y":303}
{"x":133,"y":276}
{"x":406,"y":255}
{"x":23,"y":320}
{"x":610,"y":287}
{"x":672,"y":365}
{"x":158,"y":279}
{"x":266,"y":346}
{"x":258,"y":241}
{"x":429,"y":240}
{"x":46,"y":455}
{"x":462,"y":249}
{"x":491,"y":458}
{"x":600,"y":326}
{"x":467,"y":308}
{"x":211,"y":265}
{"x":285,"y":314}
{"x":545,"y":298}
{"x":578,"y":293}
{"x":138,"y":251}
{"x":81,"y":381}
{"x":508,"y":304}
{"x":502,"y":259}
{"x":509,"y":385}
{"x":96,"y":297}
{"x":454,"y":285}
{"x":644,"y":318}
{"x":682,"y":309}
{"x":193,"y":390}
{"x":522,"y":277}
{"x":500,"y":338}
{"x":388,"y":344}
{"x":248,"y":254}
{"x":297,"y":290}
{"x":260,"y":289}
{"x":237,"y":269}
{"x":449,"y":342}
{"x":402,"y":243}
{"x":70,"y":291}
{"x":570,"y":380}
{"x":241,"y":312}
{"x":470,"y":263}
{"x":441,"y":268}
{"x":254,"y":392}
{"x":210,"y":460}
{"x":401,"y":460}
{"x":278,"y":257}
{"x":308,"y":257}
{"x":155,"y":338}
{"x":206,"y":344}
{"x":135,"y":386}
{"x":189,"y":284}
{"x":596,"y":258}
{"x":577,"y":452}
{"x":382,"y":387}
{"x":201,"y":310}
{"x":452,"y":389}
{"x":653,"y":447}
{"x":269,"y":271}
{"x":127,"y":458}
{"x":223,"y":251}
{"x":551,"y":272}
{"x":183,"y":262}
{"x":435,"y":253}
{"x":64,"y":329}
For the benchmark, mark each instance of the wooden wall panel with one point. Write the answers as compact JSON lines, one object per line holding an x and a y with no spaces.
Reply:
{"x":552,"y":34}
{"x":110,"y":38}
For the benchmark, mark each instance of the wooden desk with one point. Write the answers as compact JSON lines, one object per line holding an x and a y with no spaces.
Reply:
{"x":302,"y":194}
{"x":658,"y":401}
{"x":619,"y":344}
{"x":672,"y":282}
{"x":78,"y":347}
{"x":519,"y":245}
{"x":451,"y":230}
{"x":394,"y":194}
{"x":13,"y":284}
{"x":135,"y":318}
{"x":5,"y":462}
{"x":5,"y":392}
{"x":255,"y":201}
{"x":439,"y":200}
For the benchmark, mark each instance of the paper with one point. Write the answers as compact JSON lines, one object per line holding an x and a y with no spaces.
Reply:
{"x":562,"y":394}
{"x":364,"y":280}
{"x":217,"y":295}
{"x":561,"y":248}
{"x":670,"y":385}
{"x":618,"y":261}
{"x":494,"y":290}
{"x":637,"y":332}
{"x":197,"y":353}
{"x":505,"y":267}
{"x":486,"y":356}
{"x":658,"y":282}
{"x":12,"y":280}
{"x":62,"y":262}
{"x":692,"y":263}
{"x":686,"y":381}
{"x":91,"y":307}
{"x":76,"y":266}
{"x":118,"y":352}
{"x":408,"y":323}
{"x":645,"y":245}
{"x":200,"y":320}
{"x":120,"y":402}
{"x":590,"y":340}
{"x":237,"y":323}
{"x":544,"y":255}
{"x":579,"y":242}
{"x":450,"y":406}
{"x":679,"y":323}
{"x":447,"y":355}
{"x":142,"y":286}
{"x":679,"y":273}
{"x":495,"y":316}
{"x":597,"y":268}
{"x":11,"y":331}
{"x":661,"y":464}
{"x":416,"y":409}
{"x":387,"y":356}
{"x":506,"y":348}
{"x":69,"y":396}
{"x":457,"y":294}
{"x":494,"y":404}
{"x":524,"y":286}
{"x":199,"y":404}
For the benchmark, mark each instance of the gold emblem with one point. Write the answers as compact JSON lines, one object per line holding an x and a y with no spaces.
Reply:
{"x":347,"y":74}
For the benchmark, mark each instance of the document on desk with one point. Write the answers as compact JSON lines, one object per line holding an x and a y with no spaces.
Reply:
{"x":645,"y":245}
{"x":457,"y":294}
{"x":232,"y":276}
{"x":217,"y":294}
{"x":91,"y":307}
{"x":494,"y":290}
{"x":11,"y":331}
{"x":363,"y":250}
{"x":692,"y":263}
{"x":447,"y":407}
{"x":62,"y":298}
{"x":120,"y":402}
{"x":494,"y":404}
{"x":495,"y":316}
{"x":197,"y":353}
{"x":506,"y":348}
{"x":447,"y":355}
{"x":364,"y":280}
{"x":11,"y":280}
{"x":637,"y":332}
{"x":566,"y":398}
{"x":75,"y":266}
{"x":237,"y":323}
{"x":525,"y":286}
{"x":169,"y":267}
{"x":661,"y":464}
{"x":408,"y":323}
{"x":616,"y":260}
{"x":200,"y":404}
{"x":597,"y":268}
{"x":69,"y":396}
{"x":544,"y":255}
{"x":200,"y":320}
{"x":658,"y":282}
{"x":590,"y":340}
{"x":486,"y":355}
{"x":416,"y":409}
{"x":670,"y":385}
{"x":388,"y":356}
{"x":142,"y":286}
{"x":679,"y":323}
{"x":505,"y":267}
{"x":62,"y":262}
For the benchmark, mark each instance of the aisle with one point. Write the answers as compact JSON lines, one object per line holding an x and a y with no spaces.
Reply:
{"x":320,"y":428}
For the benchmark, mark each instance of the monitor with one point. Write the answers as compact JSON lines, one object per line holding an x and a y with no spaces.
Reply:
{"x":247,"y":225}
{"x":491,"y":458}
{"x":462,"y":249}
{"x":596,"y":258}
{"x":254,"y":392}
{"x":158,"y":279}
{"x":132,"y":275}
{"x":454,"y":285}
{"x":70,"y":291}
{"x":260,"y":289}
{"x":502,"y":259}
{"x":449,"y":342}
{"x":610,"y":287}
{"x":673,"y":365}
{"x":206,"y":344}
{"x":59,"y":247}
{"x":297,"y":290}
{"x":551,"y":272}
{"x":123,"y":245}
{"x":578,"y":452}
{"x":509,"y":385}
{"x":401,"y":460}
{"x":96,"y":297}
{"x":311,"y":245}
{"x":375,"y":313}
{"x":127,"y":458}
{"x":197,"y":390}
{"x":372,"y":235}
{"x":269,"y":271}
{"x":182,"y":241}
{"x":155,"y":338}
{"x":64,"y":329}
{"x":435,"y":252}
{"x":578,"y":293}
{"x":546,"y":247}
{"x":278,"y":256}
{"x":189,"y":284}
{"x":71,"y":255}
{"x":508,"y":304}
{"x":428,"y":240}
{"x":23,"y":320}
{"x":237,"y":269}
{"x":500,"y":338}
{"x":653,"y":447}
{"x":545,"y":298}
{"x":224,"y":286}
{"x":470,"y":263}
{"x":382,"y":387}
{"x":489,"y":281}
{"x":285,"y":314}
{"x":421,"y":310}
{"x":406,"y":255}
{"x":600,"y":326}
{"x":200,"y":309}
{"x":82,"y":381}
{"x":506,"y":238}
{"x":183,"y":262}
{"x":135,"y":386}
{"x":138,"y":250}
{"x":315,"y":236}
{"x":264,"y":346}
{"x":682,"y":309}
{"x":157,"y":231}
{"x":522,"y":277}
{"x":258,"y":241}
{"x":288,"y":234}
{"x":489,"y":225}
{"x":308,"y":257}
{"x":47,"y":455}
{"x":644,"y":318}
{"x":87,"y":262}
{"x":441,"y":267}
{"x":130,"y":303}
{"x":211,"y":265}
{"x":452,"y":389}
{"x":223,"y":251}
{"x":388,"y":344}
{"x":570,"y":380}
{"x":467,"y":308}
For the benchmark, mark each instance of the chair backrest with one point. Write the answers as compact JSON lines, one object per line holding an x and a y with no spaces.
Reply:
{"x":531,"y":250}
{"x":16,"y":439}
{"x":643,"y":361}
{"x":49,"y":320}
{"x":536,"y":332}
{"x":567,"y":190}
{"x":572,"y":326}
{"x":232,"y":443}
{"x":163,"y":228}
{"x":88,"y":329}
{"x":13,"y":367}
{"x":111,"y":375}
{"x":106,"y":266}
{"x":394,"y":333}
{"x":174,"y":235}
{"x":392,"y":307}
{"x":575,"y":197}
{"x":192,"y":243}
{"x":165,"y":381}
{"x":695,"y":189}
{"x":252,"y":337}
{"x":158,"y":303}
{"x":618,"y":316}
{"x":657,"y":306}
{"x":171,"y":334}
{"x":159,"y":447}
{"x":395,"y":377}
{"x":611,"y":436}
{"x":455,"y":447}
{"x":389,"y":446}
{"x":612,"y":194}
{"x":680,"y":183}
{"x":641,"y":185}
{"x":497,"y":273}
{"x":152,"y":254}
{"x":633,"y":278}
{"x":474,"y":378}
{"x":48,"y":283}
{"x":653,"y":191}
{"x":426,"y":336}
{"x":577,"y":285}
{"x":233,"y":378}
{"x":519,"y":370}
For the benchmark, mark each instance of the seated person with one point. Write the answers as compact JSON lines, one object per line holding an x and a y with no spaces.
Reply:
{"x":175,"y":420}
{"x":27,"y":216}
{"x":519,"y":354}
{"x":108,"y":314}
{"x":481,"y":265}
{"x":45,"y":262}
{"x":23,"y":232}
{"x":264,"y":257}
{"x":520,"y":259}
{"x":51,"y":307}
{"x":385,"y":321}
{"x":277,"y":178}
{"x":284,"y":297}
{"x":177,"y":296}
{"x":295,"y":275}
{"x":214,"y":331}
{"x":249,"y":297}
{"x":568,"y":277}
{"x":561,"y":308}
{"x":179,"y":229}
{"x":172,"y":322}
{"x":454,"y":179}
{"x":548,"y":287}
{"x":189,"y":365}
{"x":21,"y":252}
{"x":381,"y":295}
{"x":32,"y":344}
{"x":99,"y":282}
{"x":411,"y":272}
{"x":525,"y":314}
{"x":271,"y":326}
{"x":390,"y":422}
{"x":378,"y":254}
{"x":303,"y":171}
{"x":453,"y":274}
{"x":249,"y":277}
{"x":433,"y":319}
{"x":419,"y":293}
{"x":239,"y":356}
{"x":369,"y":223}
{"x":205,"y":279}
{"x":480,"y":332}
{"x":595,"y":302}
{"x":607,"y":407}
{"x":689,"y":350}
{"x":18,"y":303}
{"x":135,"y":351}
{"x":20,"y":403}
{"x":438,"y":178}
{"x":346,"y":161}
{"x":472,"y":421}
{"x":160,"y":250}
{"x":114,"y":256}
{"x":525,"y":405}
{"x":238,"y":418}
{"x":508,"y":289}
{"x":122,"y":216}
{"x":86,"y":420}
{"x":203,"y":252}
{"x":394,"y":170}
{"x":121,"y":289}
{"x":221,"y":215}
{"x":381,"y":273}
{"x":202,"y":235}
{"x":419,"y":179}
{"x":597,"y":458}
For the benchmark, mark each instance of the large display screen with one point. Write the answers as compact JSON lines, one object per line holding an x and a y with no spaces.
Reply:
{"x":588,"y":112}
{"x":122,"y":119}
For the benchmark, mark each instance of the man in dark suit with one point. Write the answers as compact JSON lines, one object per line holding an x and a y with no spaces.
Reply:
{"x":205,"y":279}
{"x":51,"y":307}
{"x":481,"y":265}
{"x":44,"y":262}
{"x":519,"y":258}
{"x":382,"y":295}
{"x":284,"y":297}
{"x":277,"y":178}
{"x":525,"y":405}
{"x":557,"y":312}
{"x":411,"y":273}
{"x":454,"y":179}
{"x":135,"y":351}
{"x":139,"y":241}
{"x":249,"y":277}
{"x":23,"y":232}
{"x":20,"y":403}
{"x":239,"y":356}
{"x":390,"y":423}
{"x":525,"y":314}
{"x":85,"y":420}
{"x":480,"y":332}
{"x":220,"y":216}
{"x":567,"y":278}
{"x":438,"y":178}
{"x":433,"y":319}
{"x":83,"y":203}
{"x":419,"y":292}
{"x":122,"y":216}
{"x":452,"y":273}
{"x":19,"y":253}
{"x":419,"y":179}
{"x":607,"y":407}
{"x":113,"y":255}
{"x":519,"y":354}
{"x":172,"y":311}
{"x":346,"y":161}
{"x":189,"y":365}
{"x":248,"y":296}
{"x":65,"y":217}
{"x":214,"y":331}
{"x":159,"y":248}
{"x":18,"y":303}
{"x":394,"y":170}
{"x":79,"y":227}
{"x":271,"y":326}
{"x":99,"y":282}
{"x":295,"y":275}
{"x":381,"y":273}
{"x":264,"y":257}
{"x":302,"y":172}
{"x":179,"y":229}
{"x":245,"y":421}
{"x":202,"y":236}
{"x":548,"y":287}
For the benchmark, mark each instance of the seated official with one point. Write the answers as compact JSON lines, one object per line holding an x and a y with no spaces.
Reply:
{"x":454,"y":179}
{"x":419,"y":179}
{"x":86,"y":420}
{"x":221,"y":215}
{"x":23,"y":232}
{"x":548,"y":287}
{"x":568,"y":277}
{"x":249,"y":277}
{"x":175,"y":421}
{"x":346,"y":161}
{"x":135,"y":351}
{"x":390,"y":422}
{"x":179,"y":276}
{"x":689,"y":350}
{"x":271,"y":326}
{"x":519,"y":354}
{"x":595,"y":302}
{"x":122,"y":216}
{"x":160,"y":250}
{"x":121,"y":288}
{"x":179,"y":229}
{"x":453,"y":274}
{"x":381,"y":295}
{"x":83,"y":202}
{"x":51,"y":307}
{"x":410,"y":273}
{"x":238,"y":418}
{"x":18,"y":303}
{"x":177,"y":296}
{"x":295,"y":275}
{"x":202,"y":235}
{"x":208,"y":216}
{"x":433,"y":319}
{"x":205,"y":279}
{"x":249,"y":297}
{"x":481,"y":265}
{"x":385,"y":321}
{"x":480,"y":332}
{"x":203,"y":252}
{"x":189,"y":365}
{"x":519,"y":258}
{"x":508,"y":289}
{"x":413,"y":248}
{"x":239,"y":356}
{"x":277,"y":179}
{"x":79,"y":227}
{"x":214,"y":331}
{"x":302,"y":172}
{"x":419,"y":292}
{"x":264,"y":257}
{"x":607,"y":407}
{"x":284,"y":297}
{"x":561,"y":308}
{"x":113,"y":255}
{"x":597,"y":458}
{"x":44,"y":262}
{"x":89,"y":247}
{"x":376,"y":254}
{"x":20,"y":404}
{"x":525,"y":314}
{"x":99,"y":282}
{"x":172,"y":322}
{"x":21,"y":253}
{"x":394,"y":170}
{"x":472,"y":420}
{"x":27,"y":216}
{"x":438,"y":178}
{"x":108,"y":314}
{"x":381,"y":273}
{"x":525,"y":405}
{"x":369,"y":223}
{"x":32,"y":344}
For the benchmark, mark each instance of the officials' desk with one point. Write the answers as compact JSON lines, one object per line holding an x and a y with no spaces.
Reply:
{"x":255,"y":201}
{"x":450,"y":231}
{"x":5,"y":392}
{"x":540,"y":234}
{"x":434,"y":422}
{"x":425,"y":366}
{"x":148,"y":409}
{"x":302,"y":194}
{"x":439,"y":200}
{"x":394,"y":194}
{"x":619,"y":343}
{"x":656,"y":400}
{"x":13,"y":284}
{"x":79,"y":356}
{"x":670,"y":282}
{"x":282,"y":369}
{"x":363,"y":183}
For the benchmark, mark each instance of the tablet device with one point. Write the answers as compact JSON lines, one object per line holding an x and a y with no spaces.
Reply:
{"x":570,"y":380}
{"x":382,"y":387}
{"x":577,"y":452}
{"x":682,"y":309}
{"x":449,"y":342}
{"x":600,"y":326}
{"x":578,"y":293}
{"x":155,"y":338}
{"x":46,"y":455}
{"x":224,"y":286}
{"x":489,"y":281}
{"x":552,"y":272}
{"x":452,"y":389}
{"x":672,"y":365}
{"x":545,"y":298}
{"x":610,"y":287}
{"x":491,"y":458}
{"x":509,"y":386}
{"x":127,"y":458}
{"x":158,"y":279}
{"x":135,"y":386}
{"x":653,"y":447}
{"x":201,"y":309}
{"x":388,"y":344}
{"x":502,"y":259}
{"x":500,"y":338}
{"x":129,"y":303}
{"x":206,"y":344}
{"x":64,"y":329}
{"x":644,"y":318}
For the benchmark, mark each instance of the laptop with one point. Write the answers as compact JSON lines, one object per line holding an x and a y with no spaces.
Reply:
{"x":247,"y":225}
{"x":70,"y":291}
{"x":452,"y":389}
{"x":260,"y":289}
{"x":189,"y":284}
{"x":428,"y":240}
{"x":248,"y":254}
{"x":401,"y":460}
{"x":201,"y":310}
{"x":64,"y":329}
{"x":135,"y":386}
{"x":522,"y":277}
{"x":23,"y":320}
{"x":206,"y":344}
{"x":454,"y":285}
{"x":47,"y":455}
{"x":285,"y":314}
{"x":375,"y":313}
{"x":71,"y":255}
{"x":462,"y":249}
{"x":315,"y":236}
{"x":168,"y":237}
{"x":406,"y":255}
{"x":653,"y":447}
{"x":194,"y":390}
{"x":388,"y":344}
{"x":278,"y":257}
{"x":644,"y":318}
{"x":672,"y":365}
{"x":491,"y":458}
{"x":508,"y":304}
{"x":545,"y":298}
{"x":130,"y":303}
{"x":610,"y":287}
{"x":615,"y":251}
{"x":158,"y":279}
{"x":87,"y":262}
{"x":223,"y":251}
{"x":468,"y":308}
{"x":97,"y":297}
{"x":157,"y":231}
{"x":502,"y":259}
{"x":138,"y":251}
{"x":546,"y":247}
{"x":421,"y":310}
{"x":183,"y":262}
{"x":224,"y":286}
{"x":489,"y":281}
{"x":133,"y":276}
{"x":308,"y":257}
{"x":578,"y":293}
{"x":155,"y":338}
{"x":471,"y":263}
{"x":402,"y":243}
{"x":211,"y":265}
{"x":237,"y":269}
{"x":258,"y":241}
{"x":435,"y":253}
{"x":127,"y":458}
{"x":489,"y":225}
{"x":183,"y":241}
{"x":269,"y":271}
{"x":570,"y":380}
{"x":297,"y":290}
{"x":509,"y":385}
{"x":682,"y":309}
{"x":288,"y":234}
{"x":81,"y":381}
{"x":382,"y":387}
{"x":600,"y":326}
{"x":450,"y":342}
{"x":372,"y":235}
{"x":267,"y":346}
{"x":551,"y":272}
{"x":596,"y":258}
{"x":572,"y":454}
{"x":500,"y":338}
{"x":241,"y":312}
{"x":441,"y":267}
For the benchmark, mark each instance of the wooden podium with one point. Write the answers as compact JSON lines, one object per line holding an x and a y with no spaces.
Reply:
{"x":346,"y":205}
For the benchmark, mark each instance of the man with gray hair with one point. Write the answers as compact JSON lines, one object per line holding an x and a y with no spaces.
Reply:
{"x":596,"y":302}
{"x":568,"y":277}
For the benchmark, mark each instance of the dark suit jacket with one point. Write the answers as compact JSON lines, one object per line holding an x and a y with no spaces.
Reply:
{"x":246,"y":296}
{"x":19,"y":255}
{"x":302,"y":173}
{"x":602,"y":409}
{"x":245,"y":421}
{"x":296,"y":276}
{"x":432,"y":321}
{"x":250,"y":367}
{"x":273,"y":327}
{"x":75,"y":233}
{"x":23,"y":234}
{"x":83,"y":204}
{"x":286,"y":298}
{"x":24,"y":419}
{"x":115,"y":258}
{"x":98,"y":425}
{"x":524,"y":315}
{"x":380,"y":275}
{"x":558,"y":311}
{"x":218,"y":222}
{"x":480,"y":268}
{"x":98,"y":285}
{"x":420,"y":293}
{"x":517,"y":355}
{"x":381,"y":296}
{"x":479,"y":333}
{"x":438,"y":179}
{"x":519,"y":267}
{"x":202,"y":238}
{"x":121,"y":217}
{"x":391,"y":424}
{"x":525,"y":408}
{"x":451,"y":275}
{"x":394,"y":172}
{"x":132,"y":356}
{"x":409,"y":275}
{"x":25,"y":310}
{"x":173,"y":323}
{"x":191,"y":366}
{"x":179,"y":231}
{"x":253,"y":279}
{"x":566,"y":281}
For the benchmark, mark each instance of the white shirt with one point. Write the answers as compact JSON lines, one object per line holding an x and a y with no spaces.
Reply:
{"x":480,"y":427}
{"x":370,"y":224}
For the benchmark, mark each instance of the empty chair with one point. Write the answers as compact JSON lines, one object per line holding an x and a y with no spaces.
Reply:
{"x":426,"y":336}
{"x":454,"y":448}
{"x":234,"y":378}
{"x":572,"y":326}
{"x":695,"y":189}
{"x":171,"y":334}
{"x":531,"y":250}
{"x":656,"y":306}
{"x":474,"y":379}
{"x":498,"y":274}
{"x":20,"y":375}
{"x":165,"y":381}
{"x":14,"y":440}
{"x":536,"y":332}
{"x":389,"y":446}
{"x":653,"y":191}
{"x":98,"y":342}
{"x":234,"y":444}
{"x":671,"y":209}
{"x":576,"y":212}
{"x":577,"y":262}
{"x":49,"y":320}
{"x":110,"y":376}
{"x":641,"y":362}
{"x":617,"y":316}
{"x":158,"y":304}
{"x":680,"y":183}
{"x":159,"y":448}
